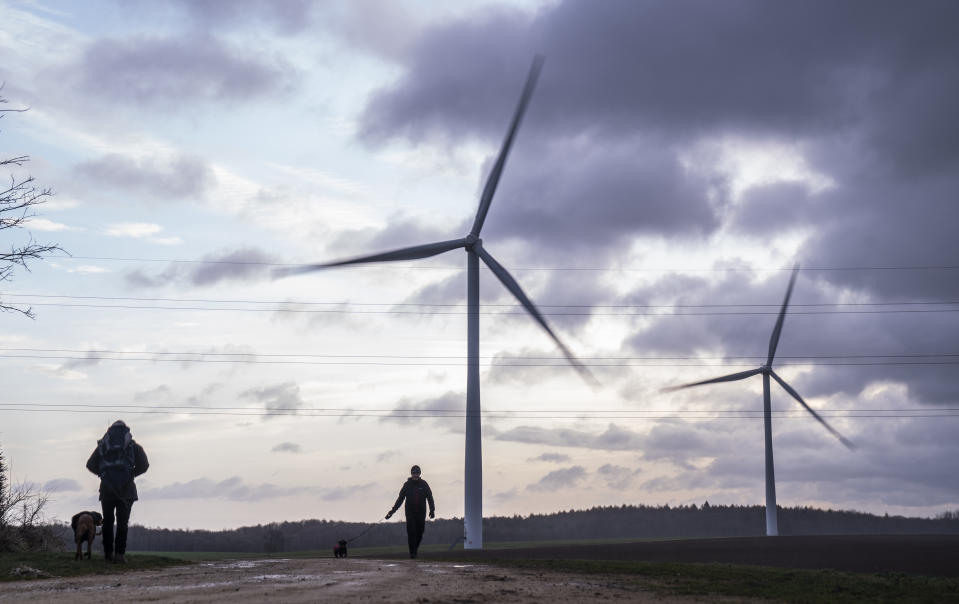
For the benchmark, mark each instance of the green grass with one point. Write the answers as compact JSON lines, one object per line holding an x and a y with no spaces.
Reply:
{"x":62,"y":564}
{"x":730,"y":580}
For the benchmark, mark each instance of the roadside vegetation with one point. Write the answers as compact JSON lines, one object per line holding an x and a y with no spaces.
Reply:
{"x":45,"y":565}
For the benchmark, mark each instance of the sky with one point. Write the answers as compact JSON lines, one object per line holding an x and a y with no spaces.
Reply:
{"x":676,"y":160}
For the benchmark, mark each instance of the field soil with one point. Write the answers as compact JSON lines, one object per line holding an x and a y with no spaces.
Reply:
{"x":934,"y":555}
{"x":318,"y":579}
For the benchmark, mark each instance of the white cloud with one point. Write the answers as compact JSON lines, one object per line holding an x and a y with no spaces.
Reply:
{"x":146,"y":231}
{"x":42,"y":224}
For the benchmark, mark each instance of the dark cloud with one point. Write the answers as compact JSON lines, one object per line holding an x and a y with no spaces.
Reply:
{"x":169,"y":73}
{"x":281,"y":399}
{"x":91,"y":358}
{"x":445,"y":411}
{"x":615,"y":438}
{"x":581,"y":202}
{"x":675,"y":67}
{"x":617,"y":477}
{"x":565,"y":478}
{"x":630,"y":87}
{"x":62,"y":485}
{"x":401,"y":231}
{"x":775,"y":208}
{"x":241,"y":264}
{"x":606,"y":163}
{"x":206,"y":393}
{"x":286,"y":447}
{"x":899,"y":462}
{"x":160,"y":393}
{"x":235,"y":489}
{"x":504,"y":496}
{"x":527,"y":367}
{"x":344,"y":492}
{"x":733,"y":319}
{"x":178,"y":178}
{"x":388,"y":455}
{"x":551,"y":458}
{"x":289,"y":16}
{"x":677,"y":443}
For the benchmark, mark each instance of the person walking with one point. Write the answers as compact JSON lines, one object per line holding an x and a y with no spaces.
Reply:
{"x":117,"y":460}
{"x":417,"y":494}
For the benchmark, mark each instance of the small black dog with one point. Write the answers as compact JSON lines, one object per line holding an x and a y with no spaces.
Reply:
{"x":84,"y":527}
{"x":339,"y":550}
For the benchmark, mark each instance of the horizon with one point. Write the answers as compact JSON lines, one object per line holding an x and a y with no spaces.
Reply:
{"x":674,"y":162}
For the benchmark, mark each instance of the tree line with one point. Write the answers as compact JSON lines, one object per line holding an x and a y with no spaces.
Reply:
{"x":625,"y":521}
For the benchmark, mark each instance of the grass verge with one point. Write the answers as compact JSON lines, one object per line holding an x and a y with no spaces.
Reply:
{"x":17,"y":567}
{"x":730,"y":580}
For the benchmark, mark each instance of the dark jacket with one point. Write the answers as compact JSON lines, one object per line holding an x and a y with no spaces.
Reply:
{"x":416,"y":493}
{"x":129,"y":492}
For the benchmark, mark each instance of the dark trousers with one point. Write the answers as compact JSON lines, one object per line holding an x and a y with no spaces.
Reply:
{"x":415,"y":525}
{"x":115,"y":510}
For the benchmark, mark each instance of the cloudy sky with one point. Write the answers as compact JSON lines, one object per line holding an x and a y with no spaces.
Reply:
{"x":676,"y":160}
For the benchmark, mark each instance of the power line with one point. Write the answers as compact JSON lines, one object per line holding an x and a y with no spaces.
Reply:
{"x":442,"y":412}
{"x":516,"y":313}
{"x":394,"y":415}
{"x":461,"y":363}
{"x":463,"y":305}
{"x":487,"y":357}
{"x":531,"y":268}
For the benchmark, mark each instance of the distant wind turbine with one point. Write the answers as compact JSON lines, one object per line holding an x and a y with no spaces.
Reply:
{"x":473,"y":516}
{"x":772,"y":523}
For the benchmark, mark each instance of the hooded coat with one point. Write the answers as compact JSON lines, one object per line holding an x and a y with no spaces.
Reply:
{"x":417,"y":494}
{"x":126,"y":492}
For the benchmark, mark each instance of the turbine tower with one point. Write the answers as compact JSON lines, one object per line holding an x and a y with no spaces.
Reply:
{"x":772,"y":523}
{"x":473,"y":516}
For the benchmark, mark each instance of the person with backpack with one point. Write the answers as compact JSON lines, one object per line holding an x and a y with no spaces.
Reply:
{"x":117,"y":460}
{"x":416,"y":493}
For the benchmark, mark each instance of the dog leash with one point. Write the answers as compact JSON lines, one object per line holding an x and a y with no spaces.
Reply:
{"x":368,"y":529}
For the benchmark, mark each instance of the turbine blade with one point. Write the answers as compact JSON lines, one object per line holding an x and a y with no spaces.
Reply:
{"x":796,"y":396}
{"x":732,"y":377}
{"x":507,"y":280}
{"x":777,"y":330}
{"x":497,"y":170}
{"x":407,"y":253}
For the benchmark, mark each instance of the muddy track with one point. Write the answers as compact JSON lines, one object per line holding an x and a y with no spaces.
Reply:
{"x":313,"y":580}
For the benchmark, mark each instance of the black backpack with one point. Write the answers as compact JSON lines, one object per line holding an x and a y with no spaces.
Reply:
{"x":116,"y":457}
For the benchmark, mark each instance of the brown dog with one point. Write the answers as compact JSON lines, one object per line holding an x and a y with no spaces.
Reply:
{"x":84,"y":527}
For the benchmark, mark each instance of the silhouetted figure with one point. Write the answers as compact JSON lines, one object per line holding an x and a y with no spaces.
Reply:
{"x":117,"y":460}
{"x":417,"y":494}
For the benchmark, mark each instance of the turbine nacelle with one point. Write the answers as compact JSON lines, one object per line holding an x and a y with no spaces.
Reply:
{"x":472,"y":242}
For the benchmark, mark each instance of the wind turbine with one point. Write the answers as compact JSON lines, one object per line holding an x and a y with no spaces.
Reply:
{"x":473,"y":516}
{"x":772,"y":523}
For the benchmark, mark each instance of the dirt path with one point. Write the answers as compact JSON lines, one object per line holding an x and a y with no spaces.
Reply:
{"x":312,"y":580}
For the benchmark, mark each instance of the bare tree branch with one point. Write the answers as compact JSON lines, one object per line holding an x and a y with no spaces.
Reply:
{"x":17,"y":203}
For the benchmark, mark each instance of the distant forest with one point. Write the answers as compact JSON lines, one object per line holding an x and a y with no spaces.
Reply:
{"x":627,"y":521}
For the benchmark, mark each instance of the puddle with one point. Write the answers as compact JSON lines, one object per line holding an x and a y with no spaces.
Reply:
{"x":244,"y":563}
